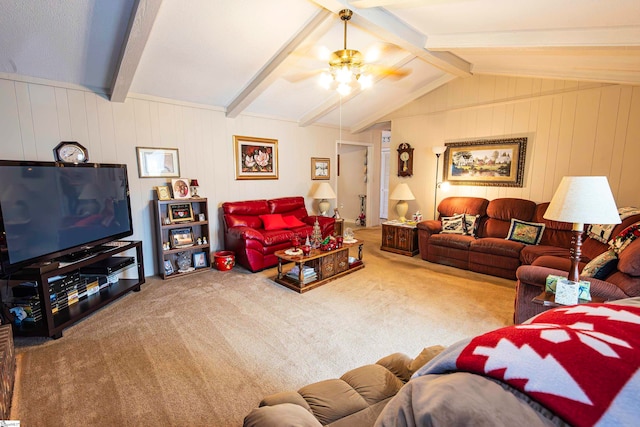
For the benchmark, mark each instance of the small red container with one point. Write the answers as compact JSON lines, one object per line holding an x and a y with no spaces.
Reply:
{"x":224,"y":260}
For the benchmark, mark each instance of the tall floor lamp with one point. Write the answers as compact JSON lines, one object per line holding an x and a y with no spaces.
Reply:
{"x":437,"y":150}
{"x":582,"y":200}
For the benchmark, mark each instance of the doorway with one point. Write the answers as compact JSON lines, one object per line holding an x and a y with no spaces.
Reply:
{"x":354,"y":182}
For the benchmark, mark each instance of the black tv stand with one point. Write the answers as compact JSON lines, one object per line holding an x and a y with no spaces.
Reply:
{"x":57,"y":317}
{"x":82,"y":254}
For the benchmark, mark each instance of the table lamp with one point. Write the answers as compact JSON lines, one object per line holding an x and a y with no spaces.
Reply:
{"x":324,"y":192}
{"x":402,"y":193}
{"x":194,"y":188}
{"x":582,"y":200}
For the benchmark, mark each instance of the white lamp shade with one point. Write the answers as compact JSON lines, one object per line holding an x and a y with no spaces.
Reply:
{"x":583,"y":200}
{"x":324,"y":191}
{"x":439,"y":149}
{"x":402,"y":192}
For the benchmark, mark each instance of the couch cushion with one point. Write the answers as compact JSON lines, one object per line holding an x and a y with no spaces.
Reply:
{"x":289,"y":205}
{"x":532,"y":252}
{"x":373,"y":382}
{"x":497,"y":246}
{"x":500,"y":212}
{"x":273,"y":222}
{"x":528,"y":233}
{"x":629,"y":259}
{"x":556,"y":233}
{"x":451,"y":206}
{"x":273,"y":237}
{"x":332,"y":399}
{"x":457,"y":241}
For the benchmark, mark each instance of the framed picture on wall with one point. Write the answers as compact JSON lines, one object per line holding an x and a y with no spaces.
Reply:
{"x":255,"y":158}
{"x":495,"y":162}
{"x":320,"y":168}
{"x":158,"y":162}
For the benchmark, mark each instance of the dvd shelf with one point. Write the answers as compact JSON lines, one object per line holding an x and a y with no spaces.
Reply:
{"x":47,"y":302}
{"x":182,"y":235}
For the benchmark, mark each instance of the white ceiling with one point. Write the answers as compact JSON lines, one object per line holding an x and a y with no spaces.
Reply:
{"x":251,"y":56}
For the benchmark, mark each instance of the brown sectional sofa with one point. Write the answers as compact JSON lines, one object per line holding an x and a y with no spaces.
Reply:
{"x":488,"y":251}
{"x":354,"y":399}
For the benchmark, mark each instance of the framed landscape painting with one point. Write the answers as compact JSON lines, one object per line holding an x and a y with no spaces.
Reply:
{"x":494,"y":162}
{"x":255,"y":158}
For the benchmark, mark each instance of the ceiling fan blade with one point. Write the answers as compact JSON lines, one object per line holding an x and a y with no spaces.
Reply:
{"x":382,"y":70}
{"x":300,"y":76}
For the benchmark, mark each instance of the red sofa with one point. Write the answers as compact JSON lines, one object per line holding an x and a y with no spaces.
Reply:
{"x":254,"y":239}
{"x":488,"y":251}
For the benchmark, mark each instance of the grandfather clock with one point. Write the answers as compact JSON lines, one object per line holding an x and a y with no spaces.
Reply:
{"x":405,"y":160}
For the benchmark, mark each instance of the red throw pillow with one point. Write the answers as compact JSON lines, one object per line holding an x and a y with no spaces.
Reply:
{"x":273,"y":222}
{"x":292,"y":221}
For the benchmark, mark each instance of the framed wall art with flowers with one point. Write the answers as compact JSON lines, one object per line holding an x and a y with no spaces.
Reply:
{"x":255,"y":158}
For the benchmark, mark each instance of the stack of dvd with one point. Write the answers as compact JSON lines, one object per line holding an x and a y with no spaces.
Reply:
{"x":308,"y":274}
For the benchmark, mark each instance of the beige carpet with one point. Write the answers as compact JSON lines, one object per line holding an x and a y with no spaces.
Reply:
{"x":203,"y":350}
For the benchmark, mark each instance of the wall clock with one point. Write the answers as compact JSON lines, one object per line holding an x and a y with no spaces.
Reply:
{"x":405,"y":160}
{"x":70,"y":152}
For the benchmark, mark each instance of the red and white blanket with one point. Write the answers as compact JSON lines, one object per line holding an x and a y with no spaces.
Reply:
{"x":581,"y":362}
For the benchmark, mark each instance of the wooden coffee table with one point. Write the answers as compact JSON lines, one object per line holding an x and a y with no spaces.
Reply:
{"x":317,"y":268}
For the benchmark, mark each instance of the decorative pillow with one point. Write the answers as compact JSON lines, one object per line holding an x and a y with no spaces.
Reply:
{"x":471,"y":224}
{"x":453,"y":224}
{"x":601,"y":266}
{"x":529,"y":233}
{"x":273,"y":222}
{"x":625,"y":237}
{"x":292,"y":221}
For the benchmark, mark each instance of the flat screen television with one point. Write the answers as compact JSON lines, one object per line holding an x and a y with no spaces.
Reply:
{"x":49,"y":210}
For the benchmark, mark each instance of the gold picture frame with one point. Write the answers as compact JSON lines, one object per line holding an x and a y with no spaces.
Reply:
{"x":493,"y":162}
{"x":255,"y":158}
{"x":320,"y":168}
{"x":180,"y":212}
{"x":163,"y":192}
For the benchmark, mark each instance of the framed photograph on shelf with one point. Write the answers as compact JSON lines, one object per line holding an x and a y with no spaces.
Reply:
{"x":158,"y":162}
{"x":199,"y":260}
{"x":179,"y":212}
{"x":180,"y":188}
{"x":255,"y":158}
{"x":320,"y":168}
{"x":168,"y":267}
{"x":494,"y":162}
{"x":163,"y":192}
{"x":181,"y":237}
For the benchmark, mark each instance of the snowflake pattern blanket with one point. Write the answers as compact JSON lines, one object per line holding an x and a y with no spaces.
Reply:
{"x":581,"y":362}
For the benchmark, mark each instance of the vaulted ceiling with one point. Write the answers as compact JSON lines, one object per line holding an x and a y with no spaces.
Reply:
{"x":262,"y":57}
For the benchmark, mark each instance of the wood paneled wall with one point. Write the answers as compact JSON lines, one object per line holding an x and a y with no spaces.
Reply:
{"x":35,"y":117}
{"x":572,"y":128}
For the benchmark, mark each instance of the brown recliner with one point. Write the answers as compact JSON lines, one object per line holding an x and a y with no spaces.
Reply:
{"x":354,"y":399}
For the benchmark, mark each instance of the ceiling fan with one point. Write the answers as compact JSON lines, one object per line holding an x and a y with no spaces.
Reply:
{"x":349,"y":69}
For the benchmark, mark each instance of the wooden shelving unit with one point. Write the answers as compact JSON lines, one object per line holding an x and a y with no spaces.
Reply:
{"x":164,"y":228}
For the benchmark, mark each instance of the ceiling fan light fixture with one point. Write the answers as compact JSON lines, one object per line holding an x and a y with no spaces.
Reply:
{"x":344,"y":89}
{"x":326,"y":80}
{"x":366,"y":81}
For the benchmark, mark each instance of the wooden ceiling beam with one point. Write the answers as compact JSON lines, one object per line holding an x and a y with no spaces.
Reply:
{"x":143,"y":16}
{"x":397,"y":103}
{"x":610,"y":37}
{"x":310,"y":31}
